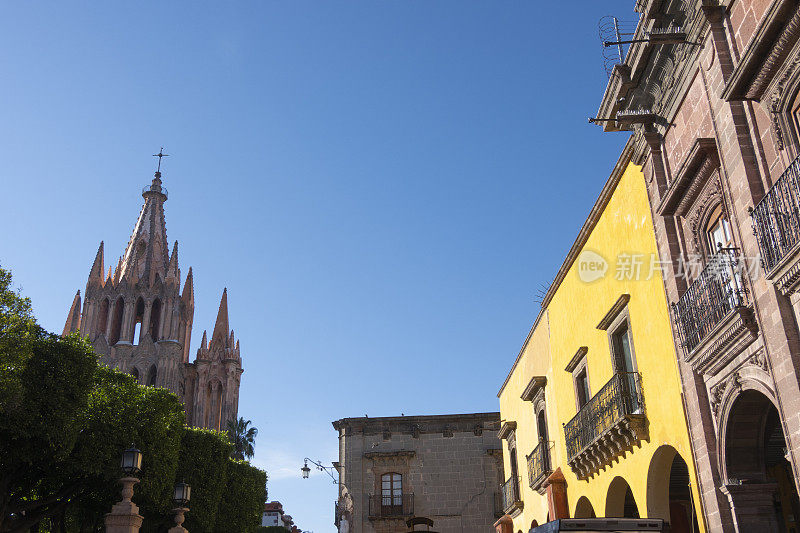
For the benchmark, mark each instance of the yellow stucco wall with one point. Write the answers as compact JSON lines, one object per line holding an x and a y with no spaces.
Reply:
{"x":569,"y":322}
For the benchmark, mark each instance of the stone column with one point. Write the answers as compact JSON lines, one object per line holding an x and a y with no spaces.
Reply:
{"x":148,"y":309}
{"x":753,"y":507}
{"x":504,"y":525}
{"x":124,"y":516}
{"x":556,"y":486}
{"x":179,"y":518}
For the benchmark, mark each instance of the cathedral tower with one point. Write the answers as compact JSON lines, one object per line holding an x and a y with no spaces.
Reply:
{"x":140,"y":321}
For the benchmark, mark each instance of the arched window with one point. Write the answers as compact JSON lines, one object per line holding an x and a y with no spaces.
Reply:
{"x":137,"y":321}
{"x":102,"y":318}
{"x":135,"y":373}
{"x":391,"y":494}
{"x":116,"y":324}
{"x":155,"y":319}
{"x":207,"y":407}
{"x":151,"y":376}
{"x":216,"y":422}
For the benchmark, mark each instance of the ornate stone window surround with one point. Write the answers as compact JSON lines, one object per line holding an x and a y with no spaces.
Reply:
{"x":390,"y":462}
{"x":535,"y":393}
{"x":617,"y":318}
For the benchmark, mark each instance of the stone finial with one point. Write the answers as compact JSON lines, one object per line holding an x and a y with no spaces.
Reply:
{"x":96,"y":273}
{"x":221,"y":327}
{"x":179,"y":519}
{"x":124,"y":516}
{"x":73,"y":323}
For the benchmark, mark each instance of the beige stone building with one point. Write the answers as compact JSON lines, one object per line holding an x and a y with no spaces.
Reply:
{"x":140,"y":321}
{"x":447,"y":468}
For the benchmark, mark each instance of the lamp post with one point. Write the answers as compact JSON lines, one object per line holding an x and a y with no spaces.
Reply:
{"x":181,"y":499}
{"x":344,"y":493}
{"x":124,"y":516}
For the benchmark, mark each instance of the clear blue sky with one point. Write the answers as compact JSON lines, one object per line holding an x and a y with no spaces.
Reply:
{"x":382,"y":186}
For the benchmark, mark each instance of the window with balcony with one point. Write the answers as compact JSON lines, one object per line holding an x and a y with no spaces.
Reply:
{"x":582,"y":393}
{"x":392,"y":501}
{"x":391,"y":493}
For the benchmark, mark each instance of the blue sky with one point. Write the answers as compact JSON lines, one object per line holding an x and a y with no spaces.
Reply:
{"x":382,"y":186}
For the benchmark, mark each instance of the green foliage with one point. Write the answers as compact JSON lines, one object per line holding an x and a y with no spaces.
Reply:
{"x":44,"y":385}
{"x":65,"y":420}
{"x":243,"y":438}
{"x":122,"y":413}
{"x":203,"y":464}
{"x":242,"y":503}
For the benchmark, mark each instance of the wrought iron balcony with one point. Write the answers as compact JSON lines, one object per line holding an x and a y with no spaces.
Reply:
{"x":395,"y":506}
{"x":539,"y":464}
{"x":716,"y":292}
{"x":511,"y":496}
{"x":776,"y":218}
{"x":612,"y":421}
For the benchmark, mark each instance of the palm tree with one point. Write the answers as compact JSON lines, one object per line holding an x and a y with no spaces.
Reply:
{"x":242,"y":437}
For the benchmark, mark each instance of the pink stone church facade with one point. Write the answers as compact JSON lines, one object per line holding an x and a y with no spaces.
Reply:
{"x":140,"y":322}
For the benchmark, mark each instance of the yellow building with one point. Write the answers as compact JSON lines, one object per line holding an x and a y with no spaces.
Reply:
{"x":593,"y":419}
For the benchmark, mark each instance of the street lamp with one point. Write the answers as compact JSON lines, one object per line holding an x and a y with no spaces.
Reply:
{"x":327,"y":469}
{"x":131,"y":461}
{"x":125,"y":514}
{"x":182,"y":494}
{"x":180,"y":497}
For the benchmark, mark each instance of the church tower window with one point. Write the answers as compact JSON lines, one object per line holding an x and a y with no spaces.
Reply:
{"x":102,"y":319}
{"x":137,"y":321}
{"x":116,"y":324}
{"x":155,"y":319}
{"x":151,"y":376}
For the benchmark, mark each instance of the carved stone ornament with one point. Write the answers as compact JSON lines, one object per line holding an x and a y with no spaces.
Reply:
{"x":709,"y":198}
{"x":719,"y":391}
{"x":779,"y":101}
{"x":759,"y":360}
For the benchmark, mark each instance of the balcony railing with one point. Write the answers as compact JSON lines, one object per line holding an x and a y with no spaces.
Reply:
{"x":511,"y":496}
{"x":539,"y":464}
{"x":398,"y":505}
{"x":776,"y":218}
{"x":620,"y":397}
{"x":717,"y":291}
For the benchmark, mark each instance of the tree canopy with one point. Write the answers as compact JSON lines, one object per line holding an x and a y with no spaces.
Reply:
{"x":65,"y":420}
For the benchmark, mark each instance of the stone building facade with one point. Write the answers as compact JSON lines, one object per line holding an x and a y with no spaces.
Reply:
{"x":711,"y":92}
{"x":447,"y":468}
{"x":140,"y":321}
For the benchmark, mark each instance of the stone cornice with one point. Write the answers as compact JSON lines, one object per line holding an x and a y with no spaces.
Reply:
{"x":385,"y":455}
{"x":573,"y":362}
{"x":618,"y":306}
{"x":776,"y":33}
{"x":536,"y":383}
{"x":415,"y":425}
{"x":506,"y":430}
{"x":701,"y":160}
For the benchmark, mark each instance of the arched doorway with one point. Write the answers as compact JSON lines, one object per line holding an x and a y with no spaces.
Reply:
{"x":620,"y":502}
{"x":759,"y":483}
{"x":669,"y":493}
{"x":584,"y":509}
